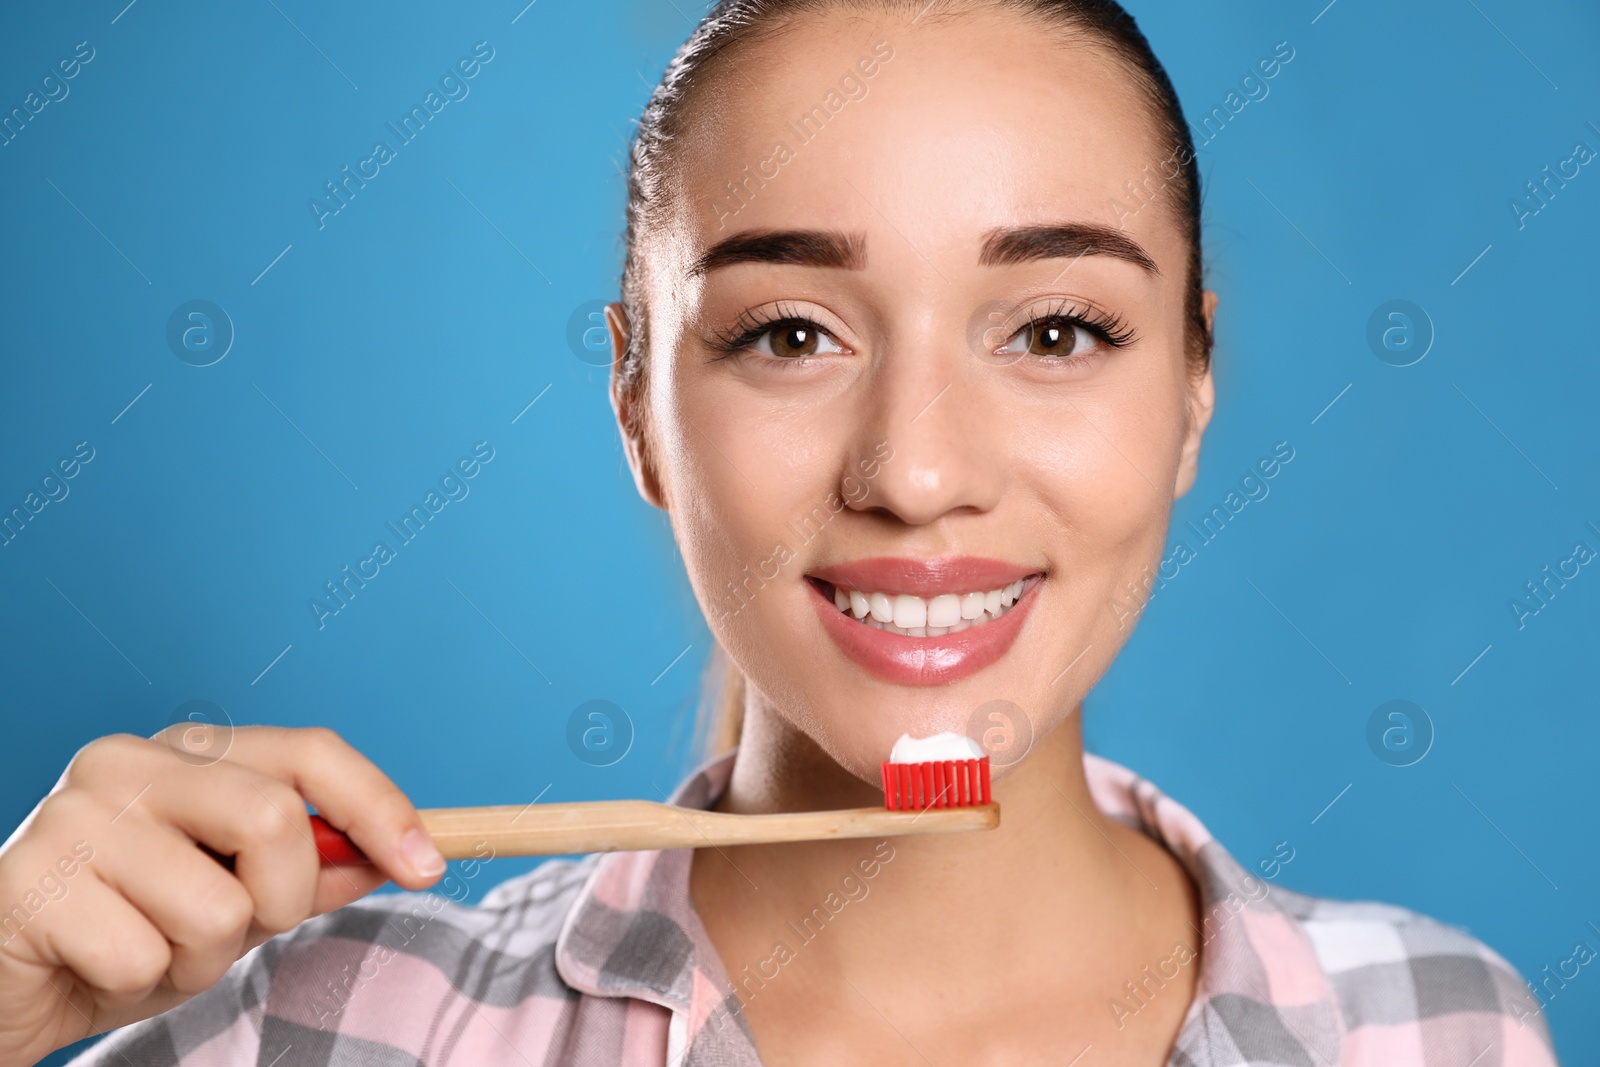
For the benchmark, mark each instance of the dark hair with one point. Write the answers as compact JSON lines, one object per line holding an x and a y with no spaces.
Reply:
{"x":730,"y":24}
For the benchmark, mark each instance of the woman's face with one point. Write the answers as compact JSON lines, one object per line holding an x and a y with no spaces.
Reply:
{"x":916,"y":350}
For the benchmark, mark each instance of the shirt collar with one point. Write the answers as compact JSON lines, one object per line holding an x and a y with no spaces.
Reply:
{"x":1261,"y":995}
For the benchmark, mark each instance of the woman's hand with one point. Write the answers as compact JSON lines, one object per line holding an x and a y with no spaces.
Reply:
{"x":111,"y":913}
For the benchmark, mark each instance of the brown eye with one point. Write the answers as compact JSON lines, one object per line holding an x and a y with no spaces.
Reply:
{"x":794,"y":339}
{"x":1051,"y":338}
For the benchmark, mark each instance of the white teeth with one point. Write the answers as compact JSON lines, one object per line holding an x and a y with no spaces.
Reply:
{"x":910,"y":612}
{"x":882,"y":609}
{"x":943,"y":611}
{"x":915,"y":616}
{"x":972,"y":605}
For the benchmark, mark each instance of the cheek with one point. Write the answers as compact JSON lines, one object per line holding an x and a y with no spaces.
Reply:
{"x":1104,"y":467}
{"x":1107,"y":459}
{"x":738,"y":481}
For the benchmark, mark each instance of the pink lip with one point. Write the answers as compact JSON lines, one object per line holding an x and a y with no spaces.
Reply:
{"x":906,"y":660}
{"x":923,"y":577}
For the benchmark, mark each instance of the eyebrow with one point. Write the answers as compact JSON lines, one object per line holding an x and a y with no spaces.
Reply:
{"x":848,"y":251}
{"x":1024,"y":244}
{"x":804,"y":248}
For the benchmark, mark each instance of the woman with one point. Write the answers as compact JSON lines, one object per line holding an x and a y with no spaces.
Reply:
{"x":914,"y":352}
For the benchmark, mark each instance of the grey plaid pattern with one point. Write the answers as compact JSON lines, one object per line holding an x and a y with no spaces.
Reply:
{"x":602,"y":962}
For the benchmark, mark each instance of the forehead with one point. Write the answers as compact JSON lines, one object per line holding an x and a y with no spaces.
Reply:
{"x":928,"y":135}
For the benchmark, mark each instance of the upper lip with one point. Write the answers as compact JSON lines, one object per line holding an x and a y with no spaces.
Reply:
{"x":923,"y":577}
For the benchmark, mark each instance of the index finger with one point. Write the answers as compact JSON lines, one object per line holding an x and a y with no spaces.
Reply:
{"x":350,"y":792}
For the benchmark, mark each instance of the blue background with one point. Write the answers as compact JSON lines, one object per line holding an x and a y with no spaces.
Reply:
{"x":425,"y":316}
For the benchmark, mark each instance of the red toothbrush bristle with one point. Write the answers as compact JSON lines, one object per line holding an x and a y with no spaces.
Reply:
{"x":940,"y":784}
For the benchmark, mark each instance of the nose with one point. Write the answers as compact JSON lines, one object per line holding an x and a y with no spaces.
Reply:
{"x":929,"y":406}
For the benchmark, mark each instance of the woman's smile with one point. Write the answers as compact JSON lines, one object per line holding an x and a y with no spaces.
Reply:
{"x":924,"y":621}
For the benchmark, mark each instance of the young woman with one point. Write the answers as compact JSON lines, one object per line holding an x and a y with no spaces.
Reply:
{"x":913,"y":350}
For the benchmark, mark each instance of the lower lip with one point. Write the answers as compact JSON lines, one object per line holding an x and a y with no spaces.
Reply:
{"x":922,"y":660}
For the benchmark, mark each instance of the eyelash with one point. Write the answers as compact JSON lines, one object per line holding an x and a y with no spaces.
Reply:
{"x":749,"y":329}
{"x":1110,"y":329}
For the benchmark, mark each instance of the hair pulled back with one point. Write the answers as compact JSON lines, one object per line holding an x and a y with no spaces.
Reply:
{"x":729,"y":26}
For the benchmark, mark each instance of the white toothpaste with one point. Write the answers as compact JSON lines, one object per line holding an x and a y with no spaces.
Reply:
{"x":935,"y":749}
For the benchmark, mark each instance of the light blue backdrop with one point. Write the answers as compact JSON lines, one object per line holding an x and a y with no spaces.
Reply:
{"x":372,"y":352}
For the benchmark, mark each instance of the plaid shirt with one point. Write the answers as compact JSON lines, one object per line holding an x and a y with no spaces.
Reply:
{"x":603,"y":962}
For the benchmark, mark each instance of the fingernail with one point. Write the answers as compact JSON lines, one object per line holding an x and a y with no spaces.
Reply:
{"x":419,"y":850}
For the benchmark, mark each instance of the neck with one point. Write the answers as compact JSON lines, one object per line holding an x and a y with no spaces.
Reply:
{"x":1067,"y":897}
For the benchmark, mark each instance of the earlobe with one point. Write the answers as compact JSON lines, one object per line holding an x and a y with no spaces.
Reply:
{"x":1201,"y":403}
{"x":630,"y":422}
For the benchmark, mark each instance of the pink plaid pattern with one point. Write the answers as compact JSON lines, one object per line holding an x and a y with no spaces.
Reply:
{"x":603,"y":962}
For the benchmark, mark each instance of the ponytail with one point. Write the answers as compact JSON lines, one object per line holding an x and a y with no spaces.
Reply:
{"x":721,"y":713}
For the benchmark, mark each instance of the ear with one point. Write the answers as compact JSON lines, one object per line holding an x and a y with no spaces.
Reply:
{"x":1202,"y":400}
{"x":630,"y":423}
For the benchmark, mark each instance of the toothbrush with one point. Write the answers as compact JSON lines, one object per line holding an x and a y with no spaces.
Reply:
{"x":921,"y":796}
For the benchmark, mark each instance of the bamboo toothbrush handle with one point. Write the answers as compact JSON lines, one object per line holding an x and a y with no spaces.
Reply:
{"x":628,"y":825}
